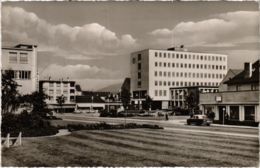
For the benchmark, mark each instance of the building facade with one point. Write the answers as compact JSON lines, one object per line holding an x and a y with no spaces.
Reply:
{"x":240,"y":99}
{"x":179,"y":94}
{"x":22,"y":61}
{"x":56,"y":88}
{"x":154,"y":72}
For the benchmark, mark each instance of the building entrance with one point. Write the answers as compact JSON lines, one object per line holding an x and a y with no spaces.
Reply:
{"x":222,"y":110}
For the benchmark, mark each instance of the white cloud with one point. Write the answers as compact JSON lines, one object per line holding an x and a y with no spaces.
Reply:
{"x":223,"y":28}
{"x":18,"y":24}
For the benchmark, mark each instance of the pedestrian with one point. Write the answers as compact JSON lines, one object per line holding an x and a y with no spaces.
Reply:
{"x":166,"y":117}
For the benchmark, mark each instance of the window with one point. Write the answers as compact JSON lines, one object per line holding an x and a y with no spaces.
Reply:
{"x":201,"y":75}
{"x":160,"y":64}
{"x":173,"y":74}
{"x":220,"y":67}
{"x":160,"y":83}
{"x":164,"y":54}
{"x":173,"y":55}
{"x":250,"y":113}
{"x":224,"y":67}
{"x":209,"y":66}
{"x":65,"y":92}
{"x":216,"y":66}
{"x":205,"y":66}
{"x":164,"y":83}
{"x":72,"y":84}
{"x":209,"y":57}
{"x":181,"y":65}
{"x":220,"y":58}
{"x":23,"y":58}
{"x":234,"y":112}
{"x":139,"y":57}
{"x":181,"y":56}
{"x":160,"y":92}
{"x":160,"y":55}
{"x":193,"y":65}
{"x":164,"y":93}
{"x":169,"y":83}
{"x":65,"y":85}
{"x":198,"y":75}
{"x":169,"y":64}
{"x":177,"y":74}
{"x":173,"y":83}
{"x":185,"y":65}
{"x":12,"y":57}
{"x":201,"y":57}
{"x":50,"y":84}
{"x":205,"y":75}
{"x":139,"y":83}
{"x":213,"y":58}
{"x":169,"y":74}
{"x":156,"y":92}
{"x":201,"y":66}
{"x":189,"y":65}
{"x":164,"y":64}
{"x":185,"y":75}
{"x":173,"y":65}
{"x":164,"y":73}
{"x":24,"y":75}
{"x":213,"y":66}
{"x":139,"y":66}
{"x":177,"y":65}
{"x":156,"y":64}
{"x":155,"y":83}
{"x":198,"y":66}
{"x":160,"y":73}
{"x":58,"y":91}
{"x":155,"y":73}
{"x":155,"y":54}
{"x":216,"y":58}
{"x":139,"y":75}
{"x":177,"y":83}
{"x":177,"y":56}
{"x":205,"y":57}
{"x":185,"y":56}
{"x":181,"y":74}
{"x":193,"y":57}
{"x":169,"y":55}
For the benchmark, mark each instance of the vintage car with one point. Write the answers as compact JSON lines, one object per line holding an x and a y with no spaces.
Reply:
{"x":199,"y":120}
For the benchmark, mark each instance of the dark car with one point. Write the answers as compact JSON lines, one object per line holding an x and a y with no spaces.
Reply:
{"x":199,"y":120}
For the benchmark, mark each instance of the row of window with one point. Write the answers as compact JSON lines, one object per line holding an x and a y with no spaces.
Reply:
{"x":58,"y":91}
{"x":71,"y":98}
{"x":160,"y":92}
{"x":249,"y":113}
{"x":59,"y":84}
{"x":185,"y":65}
{"x":13,"y":58}
{"x":189,"y":56}
{"x":182,"y":83}
{"x":25,"y":75}
{"x":188,"y":74}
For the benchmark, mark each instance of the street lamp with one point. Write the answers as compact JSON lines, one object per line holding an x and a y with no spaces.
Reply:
{"x":223,"y":109}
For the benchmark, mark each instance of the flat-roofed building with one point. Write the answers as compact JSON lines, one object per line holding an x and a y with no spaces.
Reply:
{"x":22,"y":61}
{"x":56,"y":88}
{"x":154,"y":72}
{"x":239,"y":99}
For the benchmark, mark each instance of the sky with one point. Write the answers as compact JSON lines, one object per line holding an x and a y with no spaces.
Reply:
{"x":91,"y":42}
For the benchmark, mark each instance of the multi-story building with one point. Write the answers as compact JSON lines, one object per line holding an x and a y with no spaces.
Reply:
{"x":179,"y":94}
{"x":239,"y":99}
{"x":56,"y":88}
{"x":22,"y":61}
{"x":153,"y":72}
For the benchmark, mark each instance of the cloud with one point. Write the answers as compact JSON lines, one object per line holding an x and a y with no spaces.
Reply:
{"x":86,"y":40}
{"x":219,"y":29}
{"x":78,"y":71}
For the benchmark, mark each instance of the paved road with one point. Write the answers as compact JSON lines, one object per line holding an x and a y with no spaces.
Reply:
{"x":173,"y":124}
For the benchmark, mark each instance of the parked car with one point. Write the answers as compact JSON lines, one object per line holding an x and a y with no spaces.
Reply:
{"x":199,"y":120}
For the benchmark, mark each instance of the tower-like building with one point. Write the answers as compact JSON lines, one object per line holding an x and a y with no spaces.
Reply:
{"x":154,"y":72}
{"x":22,"y":61}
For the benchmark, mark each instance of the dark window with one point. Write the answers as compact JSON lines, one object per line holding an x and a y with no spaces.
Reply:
{"x":139,"y":66}
{"x":139,"y":57}
{"x":139,"y":75}
{"x":155,"y":54}
{"x":234,"y":112}
{"x":164,"y":55}
{"x":139,"y":83}
{"x":133,"y":61}
{"x":250,"y":113}
{"x":72,"y":91}
{"x":156,"y":64}
{"x":72,"y":84}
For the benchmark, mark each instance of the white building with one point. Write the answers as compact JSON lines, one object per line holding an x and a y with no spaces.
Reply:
{"x":153,"y":72}
{"x":56,"y":88}
{"x":22,"y":60}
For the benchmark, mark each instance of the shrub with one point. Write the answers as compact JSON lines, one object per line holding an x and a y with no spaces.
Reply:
{"x":28,"y":124}
{"x":235,"y":122}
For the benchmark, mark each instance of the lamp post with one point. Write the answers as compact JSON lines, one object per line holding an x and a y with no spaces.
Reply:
{"x":223,"y":109}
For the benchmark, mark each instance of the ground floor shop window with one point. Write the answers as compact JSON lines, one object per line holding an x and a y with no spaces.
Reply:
{"x":250,"y":113}
{"x":234,"y":112}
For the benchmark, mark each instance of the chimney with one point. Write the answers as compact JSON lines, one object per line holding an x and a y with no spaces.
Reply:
{"x":248,"y":69}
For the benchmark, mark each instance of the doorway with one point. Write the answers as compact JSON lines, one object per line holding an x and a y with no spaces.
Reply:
{"x":222,"y":112}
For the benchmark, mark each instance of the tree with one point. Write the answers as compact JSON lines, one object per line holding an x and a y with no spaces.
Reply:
{"x":125,"y":98}
{"x":60,"y":100}
{"x":191,"y":101}
{"x":10,"y":95}
{"x":37,"y":100}
{"x":148,"y":102}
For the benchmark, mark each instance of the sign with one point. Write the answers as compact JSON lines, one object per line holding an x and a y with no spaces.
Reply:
{"x":218,"y":98}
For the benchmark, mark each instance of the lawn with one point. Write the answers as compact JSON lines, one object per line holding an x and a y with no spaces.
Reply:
{"x":134,"y":147}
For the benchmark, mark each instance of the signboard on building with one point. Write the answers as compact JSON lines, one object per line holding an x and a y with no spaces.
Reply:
{"x":218,"y":98}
